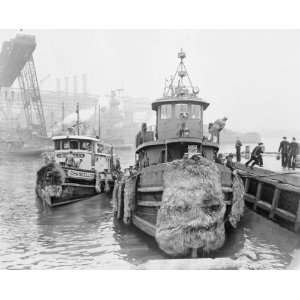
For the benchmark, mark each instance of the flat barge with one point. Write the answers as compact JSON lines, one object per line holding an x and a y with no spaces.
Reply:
{"x":273,"y":194}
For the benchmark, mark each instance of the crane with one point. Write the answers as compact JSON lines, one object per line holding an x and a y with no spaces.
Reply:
{"x":17,"y":63}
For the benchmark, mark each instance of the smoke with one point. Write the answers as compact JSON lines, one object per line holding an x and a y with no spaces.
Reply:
{"x":87,"y":118}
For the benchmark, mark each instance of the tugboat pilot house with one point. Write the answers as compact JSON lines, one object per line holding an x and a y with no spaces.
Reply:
{"x":179,"y":124}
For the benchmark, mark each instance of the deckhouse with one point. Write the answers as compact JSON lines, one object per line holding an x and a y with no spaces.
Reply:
{"x":89,"y":153}
{"x":179,"y":123}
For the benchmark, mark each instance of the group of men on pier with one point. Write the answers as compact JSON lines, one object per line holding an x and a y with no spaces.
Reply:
{"x":289,"y":152}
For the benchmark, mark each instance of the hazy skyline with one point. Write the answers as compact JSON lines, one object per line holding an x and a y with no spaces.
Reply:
{"x":250,"y":76}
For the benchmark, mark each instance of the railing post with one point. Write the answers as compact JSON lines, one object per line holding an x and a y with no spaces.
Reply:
{"x":247,"y":183}
{"x":297,"y":223}
{"x":275,"y":200}
{"x":258,"y":193}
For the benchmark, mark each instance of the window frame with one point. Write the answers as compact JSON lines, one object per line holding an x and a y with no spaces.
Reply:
{"x":72,"y":144}
{"x":57,"y":145}
{"x":198,"y":106}
{"x":89,"y":148}
{"x":168,"y":112}
{"x":178,"y":112}
{"x":63,"y":145}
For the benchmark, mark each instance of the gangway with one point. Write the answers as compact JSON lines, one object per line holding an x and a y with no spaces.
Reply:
{"x":16,"y":63}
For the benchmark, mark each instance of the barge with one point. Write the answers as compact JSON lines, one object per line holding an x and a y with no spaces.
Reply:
{"x":274,"y":195}
{"x":177,"y":193}
{"x":80,"y":167}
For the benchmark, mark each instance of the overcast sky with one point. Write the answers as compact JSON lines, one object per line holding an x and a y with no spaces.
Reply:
{"x":250,"y":76}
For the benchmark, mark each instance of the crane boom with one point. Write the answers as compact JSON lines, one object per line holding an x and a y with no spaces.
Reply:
{"x":16,"y":62}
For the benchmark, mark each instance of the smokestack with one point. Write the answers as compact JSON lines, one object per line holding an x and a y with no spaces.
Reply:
{"x":67,"y":85}
{"x":84,"y":83}
{"x":58,"y":88}
{"x":75,"y":85}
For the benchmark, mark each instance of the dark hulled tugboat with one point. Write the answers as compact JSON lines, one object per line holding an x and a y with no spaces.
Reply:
{"x":176,"y":192}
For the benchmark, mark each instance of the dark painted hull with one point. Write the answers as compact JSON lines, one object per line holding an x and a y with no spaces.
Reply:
{"x":149,"y":190}
{"x":58,"y":185}
{"x":69,"y":193}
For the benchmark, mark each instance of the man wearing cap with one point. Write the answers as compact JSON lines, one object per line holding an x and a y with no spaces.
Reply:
{"x":284,"y":150}
{"x":238,"y":145}
{"x":293,"y":152}
{"x":70,"y":161}
{"x":229,"y":163}
{"x":215,"y":128}
{"x":256,"y":156}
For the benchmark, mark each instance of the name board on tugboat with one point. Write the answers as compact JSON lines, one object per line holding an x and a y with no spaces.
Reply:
{"x":192,"y":149}
{"x":75,"y":154}
{"x":80,"y":174}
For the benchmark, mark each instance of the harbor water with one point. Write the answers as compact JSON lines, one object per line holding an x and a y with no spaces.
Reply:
{"x":84,"y":235}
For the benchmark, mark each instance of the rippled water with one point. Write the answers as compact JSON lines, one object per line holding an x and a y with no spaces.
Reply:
{"x":84,"y":235}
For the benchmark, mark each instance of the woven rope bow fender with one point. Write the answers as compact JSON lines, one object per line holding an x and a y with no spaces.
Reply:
{"x":193,"y":208}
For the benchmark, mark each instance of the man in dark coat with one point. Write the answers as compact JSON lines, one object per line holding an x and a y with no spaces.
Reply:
{"x":238,"y":145}
{"x":229,"y":163}
{"x":293,"y":152}
{"x":284,"y":150}
{"x":256,"y":156}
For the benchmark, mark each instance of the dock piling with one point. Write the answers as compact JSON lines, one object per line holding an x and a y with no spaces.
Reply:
{"x":274,"y":202}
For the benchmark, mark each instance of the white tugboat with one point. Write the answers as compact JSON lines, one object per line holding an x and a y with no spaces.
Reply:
{"x":80,"y":167}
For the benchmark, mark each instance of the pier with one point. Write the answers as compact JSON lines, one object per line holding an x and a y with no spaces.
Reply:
{"x":273,"y":192}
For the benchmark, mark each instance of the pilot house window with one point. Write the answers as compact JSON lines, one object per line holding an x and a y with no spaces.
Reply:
{"x":66,"y":145}
{"x":181,"y":111}
{"x":57,"y":145}
{"x":85,"y":145}
{"x":166,"y":111}
{"x":195,"y":111}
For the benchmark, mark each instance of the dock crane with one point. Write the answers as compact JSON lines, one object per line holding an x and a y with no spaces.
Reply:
{"x":17,"y":63}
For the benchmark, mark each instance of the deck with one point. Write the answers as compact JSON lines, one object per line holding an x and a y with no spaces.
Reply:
{"x":273,"y":191}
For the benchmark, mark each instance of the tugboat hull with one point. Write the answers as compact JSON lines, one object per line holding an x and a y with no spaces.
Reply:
{"x":58,"y":186}
{"x":67,"y":193}
{"x":183,"y":213}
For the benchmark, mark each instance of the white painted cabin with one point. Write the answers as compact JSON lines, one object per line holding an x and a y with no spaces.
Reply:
{"x":89,"y":153}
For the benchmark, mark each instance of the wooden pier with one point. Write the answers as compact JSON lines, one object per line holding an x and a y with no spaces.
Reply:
{"x":275,"y":195}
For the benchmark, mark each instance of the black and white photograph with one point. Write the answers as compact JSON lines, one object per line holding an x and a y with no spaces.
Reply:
{"x":136,"y":148}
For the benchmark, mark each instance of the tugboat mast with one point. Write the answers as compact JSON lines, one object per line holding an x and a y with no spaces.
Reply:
{"x":77,"y":122}
{"x":180,"y":90}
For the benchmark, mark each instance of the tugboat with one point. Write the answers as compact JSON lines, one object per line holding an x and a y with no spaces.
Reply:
{"x":80,"y":167}
{"x":177,"y":193}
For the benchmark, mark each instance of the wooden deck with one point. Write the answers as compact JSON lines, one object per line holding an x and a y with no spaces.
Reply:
{"x":275,"y":194}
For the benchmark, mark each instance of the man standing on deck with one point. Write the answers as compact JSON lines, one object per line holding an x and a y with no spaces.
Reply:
{"x":229,"y":163}
{"x":293,"y":152}
{"x":70,"y":161}
{"x":284,"y":150}
{"x":238,"y":145}
{"x":256,"y":156}
{"x":215,"y":128}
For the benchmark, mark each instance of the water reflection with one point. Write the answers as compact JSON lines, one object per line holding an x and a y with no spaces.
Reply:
{"x":84,"y":235}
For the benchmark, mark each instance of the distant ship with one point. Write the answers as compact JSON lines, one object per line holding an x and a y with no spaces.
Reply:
{"x":23,"y":142}
{"x":118,"y":127}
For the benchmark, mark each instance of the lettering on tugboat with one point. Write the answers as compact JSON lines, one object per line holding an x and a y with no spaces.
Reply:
{"x":80,"y":174}
{"x":76,"y":155}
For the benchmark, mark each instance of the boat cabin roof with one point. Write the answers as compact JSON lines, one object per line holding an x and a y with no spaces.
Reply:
{"x":181,"y":100}
{"x":188,"y":141}
{"x":75,"y":137}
